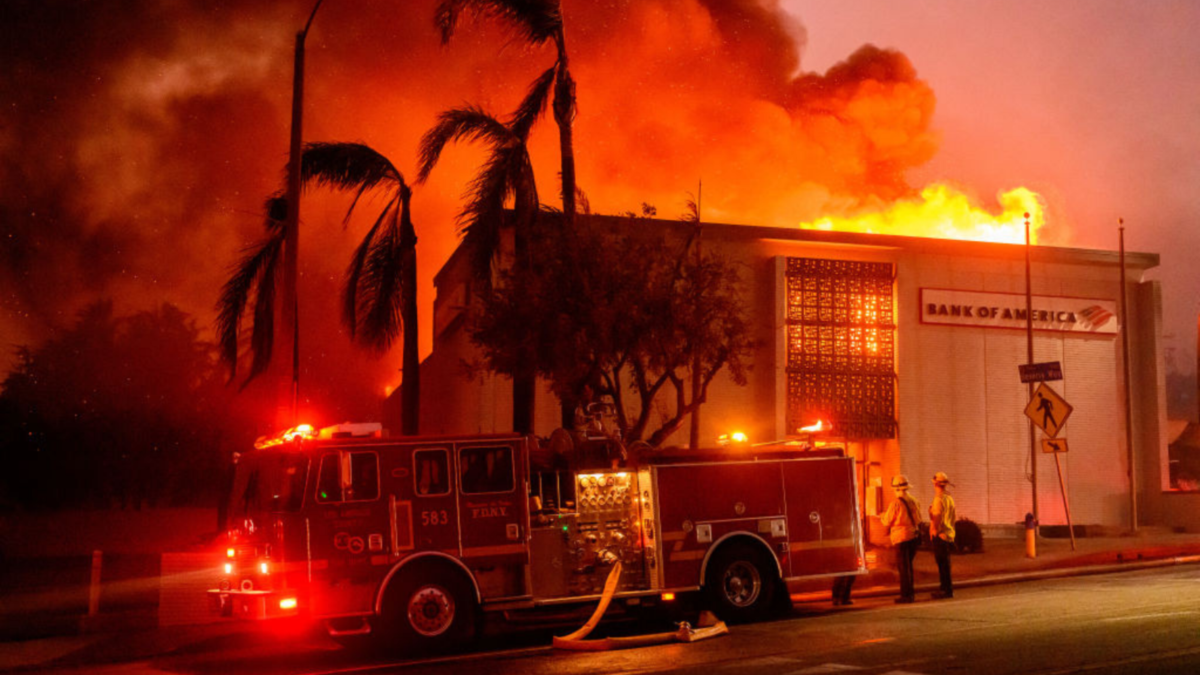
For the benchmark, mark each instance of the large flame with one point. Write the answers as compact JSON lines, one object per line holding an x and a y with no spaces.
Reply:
{"x":946,"y":213}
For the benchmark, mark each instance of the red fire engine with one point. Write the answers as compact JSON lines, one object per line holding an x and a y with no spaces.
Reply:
{"x":414,"y":538}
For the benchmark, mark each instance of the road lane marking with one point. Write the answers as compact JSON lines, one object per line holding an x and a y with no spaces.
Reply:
{"x":825,"y":668}
{"x":1139,"y":617}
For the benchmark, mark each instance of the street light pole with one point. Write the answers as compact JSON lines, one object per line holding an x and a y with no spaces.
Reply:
{"x":1133,"y":510}
{"x":1029,"y":359}
{"x":291,"y":257}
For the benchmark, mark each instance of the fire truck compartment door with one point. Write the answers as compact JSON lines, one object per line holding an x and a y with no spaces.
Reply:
{"x":822,"y":515}
{"x":349,"y":527}
{"x":492,"y":504}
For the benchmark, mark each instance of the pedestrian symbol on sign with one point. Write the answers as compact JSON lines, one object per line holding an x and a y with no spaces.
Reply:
{"x":1048,"y":410}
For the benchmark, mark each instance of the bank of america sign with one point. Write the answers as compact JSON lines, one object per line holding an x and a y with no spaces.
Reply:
{"x":1007,"y":310}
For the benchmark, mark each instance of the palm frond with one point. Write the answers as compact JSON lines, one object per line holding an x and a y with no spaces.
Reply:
{"x":262,"y":335}
{"x":467,"y":124}
{"x":533,"y":106}
{"x":379,"y":279}
{"x":534,"y":21}
{"x":256,"y":267}
{"x":355,"y":271}
{"x":347,"y":166}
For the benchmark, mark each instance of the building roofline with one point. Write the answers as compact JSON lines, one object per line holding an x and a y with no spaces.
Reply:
{"x":928,"y":245}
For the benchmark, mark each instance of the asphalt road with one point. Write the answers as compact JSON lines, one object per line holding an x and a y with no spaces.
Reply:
{"x":1135,"y":622}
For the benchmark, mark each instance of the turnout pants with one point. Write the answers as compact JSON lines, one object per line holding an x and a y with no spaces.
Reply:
{"x":941,"y":553}
{"x":905,"y":552}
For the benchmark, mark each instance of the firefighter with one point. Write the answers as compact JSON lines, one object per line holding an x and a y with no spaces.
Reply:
{"x":941,"y":533}
{"x":903,"y":520}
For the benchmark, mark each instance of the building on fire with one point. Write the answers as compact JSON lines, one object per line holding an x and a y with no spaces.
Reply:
{"x":910,"y":348}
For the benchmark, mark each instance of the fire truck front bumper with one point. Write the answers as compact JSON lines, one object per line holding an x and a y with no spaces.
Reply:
{"x":252,"y":604}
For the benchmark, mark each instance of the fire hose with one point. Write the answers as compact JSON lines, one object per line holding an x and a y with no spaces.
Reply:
{"x":576,"y":642}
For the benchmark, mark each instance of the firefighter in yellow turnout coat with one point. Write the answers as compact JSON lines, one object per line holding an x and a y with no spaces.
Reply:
{"x":903,"y":518}
{"x":941,"y":533}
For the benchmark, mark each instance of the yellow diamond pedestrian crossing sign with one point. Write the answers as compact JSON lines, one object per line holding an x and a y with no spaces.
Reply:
{"x":1048,"y":410}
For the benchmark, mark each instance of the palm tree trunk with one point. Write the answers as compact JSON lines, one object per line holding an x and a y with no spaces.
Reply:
{"x":410,"y":386}
{"x":564,"y":116}
{"x":524,"y":386}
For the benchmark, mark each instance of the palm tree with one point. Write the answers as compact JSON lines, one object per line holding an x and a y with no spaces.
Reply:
{"x":506,"y":175}
{"x":379,"y":298}
{"x":538,"y":22}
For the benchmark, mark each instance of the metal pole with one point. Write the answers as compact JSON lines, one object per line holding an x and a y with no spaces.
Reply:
{"x":1029,"y":359}
{"x":1133,"y":513}
{"x":291,"y":252}
{"x":1062,"y":485}
{"x":694,"y":441}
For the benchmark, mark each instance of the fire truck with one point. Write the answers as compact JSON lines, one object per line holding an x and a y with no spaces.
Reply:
{"x":411,"y":540}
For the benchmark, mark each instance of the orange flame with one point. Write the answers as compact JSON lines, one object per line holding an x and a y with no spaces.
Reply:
{"x":943,"y":212}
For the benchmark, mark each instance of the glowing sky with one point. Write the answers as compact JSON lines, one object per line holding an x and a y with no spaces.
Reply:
{"x":138,"y":139}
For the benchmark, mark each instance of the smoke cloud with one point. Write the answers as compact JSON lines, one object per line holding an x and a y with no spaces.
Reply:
{"x":138,"y":139}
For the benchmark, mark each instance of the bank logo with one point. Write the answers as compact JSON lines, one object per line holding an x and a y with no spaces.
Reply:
{"x":1095,"y":316}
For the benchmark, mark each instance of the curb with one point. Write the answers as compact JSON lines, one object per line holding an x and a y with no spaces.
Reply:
{"x":1015,"y":577}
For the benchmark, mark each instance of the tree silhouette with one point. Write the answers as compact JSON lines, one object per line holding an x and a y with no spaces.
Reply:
{"x":118,"y":411}
{"x":507,"y":174}
{"x":380,"y":296}
{"x":634,"y":318}
{"x":537,"y":22}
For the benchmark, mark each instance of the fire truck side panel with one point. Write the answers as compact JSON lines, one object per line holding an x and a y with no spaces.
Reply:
{"x":348,"y":529}
{"x":701,"y":503}
{"x":494,"y":515}
{"x":823,"y":517}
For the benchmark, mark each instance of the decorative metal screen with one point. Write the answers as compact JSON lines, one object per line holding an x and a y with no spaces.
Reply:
{"x":841,"y":346}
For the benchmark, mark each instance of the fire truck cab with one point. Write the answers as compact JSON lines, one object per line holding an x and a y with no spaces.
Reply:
{"x":411,"y":539}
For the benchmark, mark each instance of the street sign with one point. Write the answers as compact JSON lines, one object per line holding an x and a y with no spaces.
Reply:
{"x":1054,"y":445}
{"x":1048,"y":410}
{"x":1040,"y":372}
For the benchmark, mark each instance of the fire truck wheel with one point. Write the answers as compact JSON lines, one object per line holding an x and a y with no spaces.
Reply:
{"x":740,"y":583}
{"x":430,"y":608}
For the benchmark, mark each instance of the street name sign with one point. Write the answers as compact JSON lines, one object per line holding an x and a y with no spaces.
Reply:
{"x":1040,"y":372}
{"x":1048,"y":410}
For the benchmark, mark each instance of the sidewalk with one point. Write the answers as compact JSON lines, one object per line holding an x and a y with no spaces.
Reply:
{"x":1002,"y":561}
{"x":1005,"y":561}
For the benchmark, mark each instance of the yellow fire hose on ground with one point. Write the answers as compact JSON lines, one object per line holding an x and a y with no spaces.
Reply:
{"x":576,"y":642}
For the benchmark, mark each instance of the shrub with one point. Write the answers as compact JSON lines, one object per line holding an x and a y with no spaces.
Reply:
{"x":967,"y":536}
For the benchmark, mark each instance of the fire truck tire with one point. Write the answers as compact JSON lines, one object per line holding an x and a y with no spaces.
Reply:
{"x":429,"y":608}
{"x":740,"y":583}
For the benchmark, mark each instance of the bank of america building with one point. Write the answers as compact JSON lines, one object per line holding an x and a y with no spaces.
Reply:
{"x":910,"y":348}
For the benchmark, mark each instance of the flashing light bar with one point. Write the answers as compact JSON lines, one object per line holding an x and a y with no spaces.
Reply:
{"x":814,"y":428}
{"x":300,"y":431}
{"x":308,"y":432}
{"x":737,"y":437}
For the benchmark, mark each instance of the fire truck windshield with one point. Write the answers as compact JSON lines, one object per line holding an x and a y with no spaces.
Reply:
{"x":269,"y":481}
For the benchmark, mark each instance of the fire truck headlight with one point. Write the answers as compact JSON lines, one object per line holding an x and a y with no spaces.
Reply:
{"x":228,"y":568}
{"x":264,"y":568}
{"x":287,"y":603}
{"x":230,"y":552}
